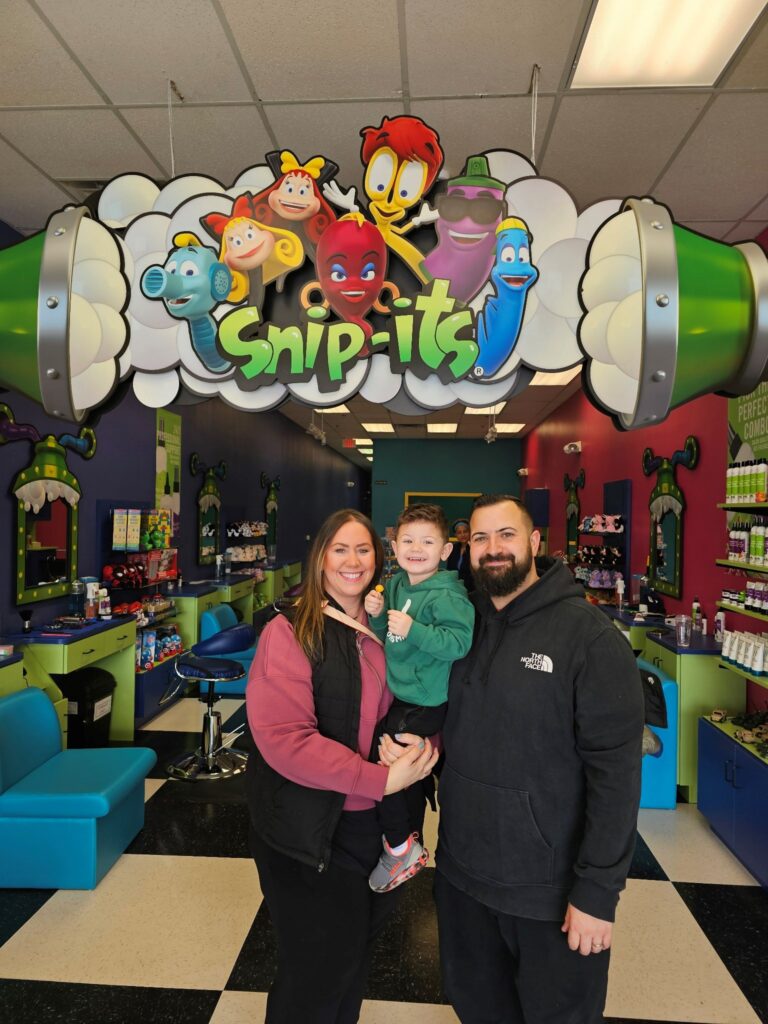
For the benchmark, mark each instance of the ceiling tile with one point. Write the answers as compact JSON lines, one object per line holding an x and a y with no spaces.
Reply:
{"x":751,"y":69}
{"x":710,"y":228}
{"x":746,"y":231}
{"x":306,"y":50}
{"x":27,"y":198}
{"x":615,"y":144}
{"x":331,"y":130}
{"x":217,"y":141}
{"x":720,"y":173}
{"x":472,"y":126}
{"x":760,"y":212}
{"x":455,"y":48}
{"x":75,"y":143}
{"x":135,"y":50}
{"x":34,"y":69}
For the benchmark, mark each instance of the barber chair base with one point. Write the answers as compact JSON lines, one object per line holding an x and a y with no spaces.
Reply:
{"x":212,"y":760}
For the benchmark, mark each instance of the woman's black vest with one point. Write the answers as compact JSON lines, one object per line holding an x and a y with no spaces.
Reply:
{"x":294,"y":819}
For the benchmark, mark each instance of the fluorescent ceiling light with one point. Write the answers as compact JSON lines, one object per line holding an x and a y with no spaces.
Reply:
{"x":333,"y":409}
{"x":442,"y":428}
{"x":369,"y":457}
{"x":488,"y":410}
{"x":658,"y":43}
{"x":362,"y":440}
{"x":365,"y":451}
{"x":509,"y":428}
{"x":379,"y":428}
{"x":550,"y":380}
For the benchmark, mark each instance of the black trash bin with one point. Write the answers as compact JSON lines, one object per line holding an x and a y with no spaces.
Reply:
{"x":89,"y":706}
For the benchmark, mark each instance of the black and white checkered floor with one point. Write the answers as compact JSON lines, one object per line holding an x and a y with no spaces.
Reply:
{"x":177,"y":931}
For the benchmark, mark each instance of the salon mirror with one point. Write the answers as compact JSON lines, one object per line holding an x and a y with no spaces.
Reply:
{"x":667,"y":506}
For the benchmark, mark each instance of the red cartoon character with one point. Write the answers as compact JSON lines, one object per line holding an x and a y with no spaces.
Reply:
{"x":351,"y":262}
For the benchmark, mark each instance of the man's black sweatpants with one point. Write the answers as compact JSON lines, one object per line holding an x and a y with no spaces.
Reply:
{"x":500,"y":969}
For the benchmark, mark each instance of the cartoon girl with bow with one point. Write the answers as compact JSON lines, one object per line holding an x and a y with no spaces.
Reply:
{"x":256,"y":253}
{"x":294,"y":201}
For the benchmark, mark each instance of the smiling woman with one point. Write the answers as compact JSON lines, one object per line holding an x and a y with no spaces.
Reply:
{"x":315,"y":692}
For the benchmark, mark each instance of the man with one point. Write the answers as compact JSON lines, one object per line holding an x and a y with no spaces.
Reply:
{"x":540,"y":788}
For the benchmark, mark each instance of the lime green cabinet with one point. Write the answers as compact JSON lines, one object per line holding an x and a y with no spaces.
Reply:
{"x":702,"y":686}
{"x":239,"y":594}
{"x":11,"y":675}
{"x":190,"y":607}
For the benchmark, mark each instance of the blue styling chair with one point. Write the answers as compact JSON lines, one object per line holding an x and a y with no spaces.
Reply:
{"x":222,"y":619}
{"x":659,"y":773}
{"x":209,"y":666}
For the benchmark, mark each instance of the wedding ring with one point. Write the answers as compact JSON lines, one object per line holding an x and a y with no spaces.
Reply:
{"x":597,"y":946}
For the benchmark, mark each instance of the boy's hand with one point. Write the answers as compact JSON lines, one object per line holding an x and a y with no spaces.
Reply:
{"x":374,"y":603}
{"x":398,"y":623}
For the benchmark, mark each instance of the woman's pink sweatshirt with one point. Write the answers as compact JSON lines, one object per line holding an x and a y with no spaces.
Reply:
{"x":281,"y":714}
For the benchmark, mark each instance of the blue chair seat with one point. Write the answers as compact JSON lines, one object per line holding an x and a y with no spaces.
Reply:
{"x":191,"y":667}
{"x":221,"y":635}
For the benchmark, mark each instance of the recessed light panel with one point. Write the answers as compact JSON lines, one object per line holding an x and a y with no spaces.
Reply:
{"x":442,"y":428}
{"x":379,"y":428}
{"x":488,"y":410}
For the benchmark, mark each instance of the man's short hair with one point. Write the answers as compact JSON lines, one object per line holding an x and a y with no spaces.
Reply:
{"x":483,"y":500}
{"x":424,"y":513}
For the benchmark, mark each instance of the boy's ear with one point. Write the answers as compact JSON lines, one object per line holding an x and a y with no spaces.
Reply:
{"x":393,"y":544}
{"x":447,"y":549}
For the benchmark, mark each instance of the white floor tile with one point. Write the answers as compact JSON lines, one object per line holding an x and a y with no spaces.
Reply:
{"x":430,"y":834}
{"x":170,"y":922}
{"x":187,"y":715}
{"x":662,"y":965}
{"x":151,"y":786}
{"x":237,"y":1007}
{"x":687,"y":848}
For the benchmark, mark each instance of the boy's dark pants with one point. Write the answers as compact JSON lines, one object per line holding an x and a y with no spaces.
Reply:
{"x":402,"y":813}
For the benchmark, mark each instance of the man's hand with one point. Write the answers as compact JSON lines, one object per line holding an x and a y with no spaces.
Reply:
{"x":586,"y":934}
{"x":398,"y":623}
{"x":374,"y":603}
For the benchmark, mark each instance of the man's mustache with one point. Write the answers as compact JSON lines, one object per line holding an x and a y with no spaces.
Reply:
{"x":496,"y":558}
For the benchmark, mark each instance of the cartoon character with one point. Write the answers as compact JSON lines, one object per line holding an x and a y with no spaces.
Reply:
{"x":255,"y":252}
{"x":513,"y":274}
{"x":402,"y":157}
{"x":294,"y":201}
{"x":191,"y":283}
{"x":351,"y":262}
{"x":470,"y":211}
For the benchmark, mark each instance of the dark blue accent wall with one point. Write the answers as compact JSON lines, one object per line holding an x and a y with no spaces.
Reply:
{"x":313,"y":480}
{"x":454,"y":465}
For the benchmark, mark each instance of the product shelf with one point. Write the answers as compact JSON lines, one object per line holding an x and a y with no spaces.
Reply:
{"x":741,"y":611}
{"x":760,"y":680}
{"x":745,"y":566}
{"x":157,"y":664}
{"x":758,"y":506}
{"x":730,"y":729}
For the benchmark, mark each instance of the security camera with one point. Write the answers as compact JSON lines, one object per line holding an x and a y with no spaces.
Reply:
{"x":522,"y":471}
{"x":572,"y":447}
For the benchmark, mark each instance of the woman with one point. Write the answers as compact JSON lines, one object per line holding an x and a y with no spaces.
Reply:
{"x":315,"y":692}
{"x":458,"y":560}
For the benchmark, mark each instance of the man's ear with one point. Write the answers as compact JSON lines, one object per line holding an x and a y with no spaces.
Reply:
{"x":535,"y":542}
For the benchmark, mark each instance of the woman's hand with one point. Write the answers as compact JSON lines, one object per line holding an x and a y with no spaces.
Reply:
{"x":390,"y":750}
{"x":374,"y":602}
{"x":414,"y":764}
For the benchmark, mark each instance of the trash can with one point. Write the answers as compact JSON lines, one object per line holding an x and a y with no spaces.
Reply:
{"x":89,"y":705}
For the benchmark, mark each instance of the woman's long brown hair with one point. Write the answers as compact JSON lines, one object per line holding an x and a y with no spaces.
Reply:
{"x":309,"y":621}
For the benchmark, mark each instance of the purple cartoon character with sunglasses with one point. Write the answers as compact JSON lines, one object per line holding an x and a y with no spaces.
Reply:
{"x":470,"y":211}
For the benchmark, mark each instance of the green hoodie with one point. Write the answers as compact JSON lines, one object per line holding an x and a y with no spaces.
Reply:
{"x":418,"y":665}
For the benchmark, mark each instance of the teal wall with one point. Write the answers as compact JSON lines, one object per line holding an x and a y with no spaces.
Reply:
{"x":439,"y":465}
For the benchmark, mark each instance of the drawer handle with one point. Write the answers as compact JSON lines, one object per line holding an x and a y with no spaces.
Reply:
{"x":89,"y":651}
{"x":728,"y":775}
{"x":123,"y":637}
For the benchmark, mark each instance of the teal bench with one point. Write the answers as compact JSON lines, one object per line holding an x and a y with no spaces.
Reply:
{"x":65,"y":815}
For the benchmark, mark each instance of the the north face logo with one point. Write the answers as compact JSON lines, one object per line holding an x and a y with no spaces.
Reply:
{"x":538,"y":662}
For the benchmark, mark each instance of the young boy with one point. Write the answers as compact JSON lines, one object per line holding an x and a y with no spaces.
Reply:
{"x":426,"y":620}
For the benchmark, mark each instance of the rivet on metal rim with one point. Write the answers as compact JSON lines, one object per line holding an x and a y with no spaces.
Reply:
{"x":52,"y":374}
{"x":659,"y":376}
{"x":662,"y":300}
{"x":657,"y":225}
{"x":59,"y":231}
{"x":51,"y":302}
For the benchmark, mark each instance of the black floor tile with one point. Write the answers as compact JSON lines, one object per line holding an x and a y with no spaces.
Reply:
{"x":49,"y":1002}
{"x":256,"y":965}
{"x":644,"y":864}
{"x":735,"y":920}
{"x":170,"y":745}
{"x":196,"y":819}
{"x":17,"y":906}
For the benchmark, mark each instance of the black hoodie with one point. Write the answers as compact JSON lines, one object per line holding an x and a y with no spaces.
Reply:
{"x":541,"y":783}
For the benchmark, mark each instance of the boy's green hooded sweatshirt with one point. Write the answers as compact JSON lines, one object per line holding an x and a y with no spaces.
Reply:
{"x":418,"y":666}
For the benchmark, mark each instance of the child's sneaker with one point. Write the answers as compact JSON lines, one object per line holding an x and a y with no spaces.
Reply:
{"x":394,"y":869}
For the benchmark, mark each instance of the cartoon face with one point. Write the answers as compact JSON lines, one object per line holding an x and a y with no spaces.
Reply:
{"x":469,"y":216}
{"x":295,"y":199}
{"x":351,"y":264}
{"x":513,"y":269}
{"x":393,"y":185}
{"x":246,"y":245}
{"x":188,"y":282}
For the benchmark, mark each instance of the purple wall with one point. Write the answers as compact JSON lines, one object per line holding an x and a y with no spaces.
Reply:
{"x":313,"y":481}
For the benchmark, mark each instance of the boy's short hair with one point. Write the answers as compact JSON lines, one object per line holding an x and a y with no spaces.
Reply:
{"x":424,"y":513}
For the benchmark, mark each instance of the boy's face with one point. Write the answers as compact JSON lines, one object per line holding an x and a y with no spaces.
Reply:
{"x":419,"y":549}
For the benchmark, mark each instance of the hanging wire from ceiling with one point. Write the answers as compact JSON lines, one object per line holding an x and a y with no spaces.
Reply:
{"x":534,"y":108}
{"x":173,"y":89}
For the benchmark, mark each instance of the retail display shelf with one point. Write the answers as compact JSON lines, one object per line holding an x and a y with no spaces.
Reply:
{"x":741,"y":611}
{"x":730,"y":730}
{"x":760,"y":680}
{"x":746,"y":566}
{"x":758,"y":506}
{"x":160,"y":617}
{"x":602,"y":533}
{"x":157,"y":664}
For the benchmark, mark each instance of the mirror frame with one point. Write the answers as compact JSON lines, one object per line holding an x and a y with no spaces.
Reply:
{"x":28,"y":595}
{"x":667,"y":491}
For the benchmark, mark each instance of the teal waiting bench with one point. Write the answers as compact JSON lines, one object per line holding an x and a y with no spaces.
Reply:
{"x":65,"y":815}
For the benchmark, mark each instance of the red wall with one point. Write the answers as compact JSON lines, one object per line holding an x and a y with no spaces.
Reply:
{"x":610,"y":454}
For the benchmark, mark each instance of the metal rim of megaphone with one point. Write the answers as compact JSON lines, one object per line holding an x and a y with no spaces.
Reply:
{"x":753,"y":369}
{"x":658,"y":258}
{"x":53,"y":314}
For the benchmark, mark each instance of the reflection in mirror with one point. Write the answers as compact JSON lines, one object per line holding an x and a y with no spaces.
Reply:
{"x":208,"y":509}
{"x":666,"y":505}
{"x":46,"y":545}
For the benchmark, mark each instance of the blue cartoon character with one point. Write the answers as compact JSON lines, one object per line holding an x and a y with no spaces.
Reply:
{"x":191,"y":283}
{"x":512,"y":276}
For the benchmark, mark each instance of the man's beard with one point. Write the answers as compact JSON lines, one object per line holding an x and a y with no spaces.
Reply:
{"x":502,"y":582}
